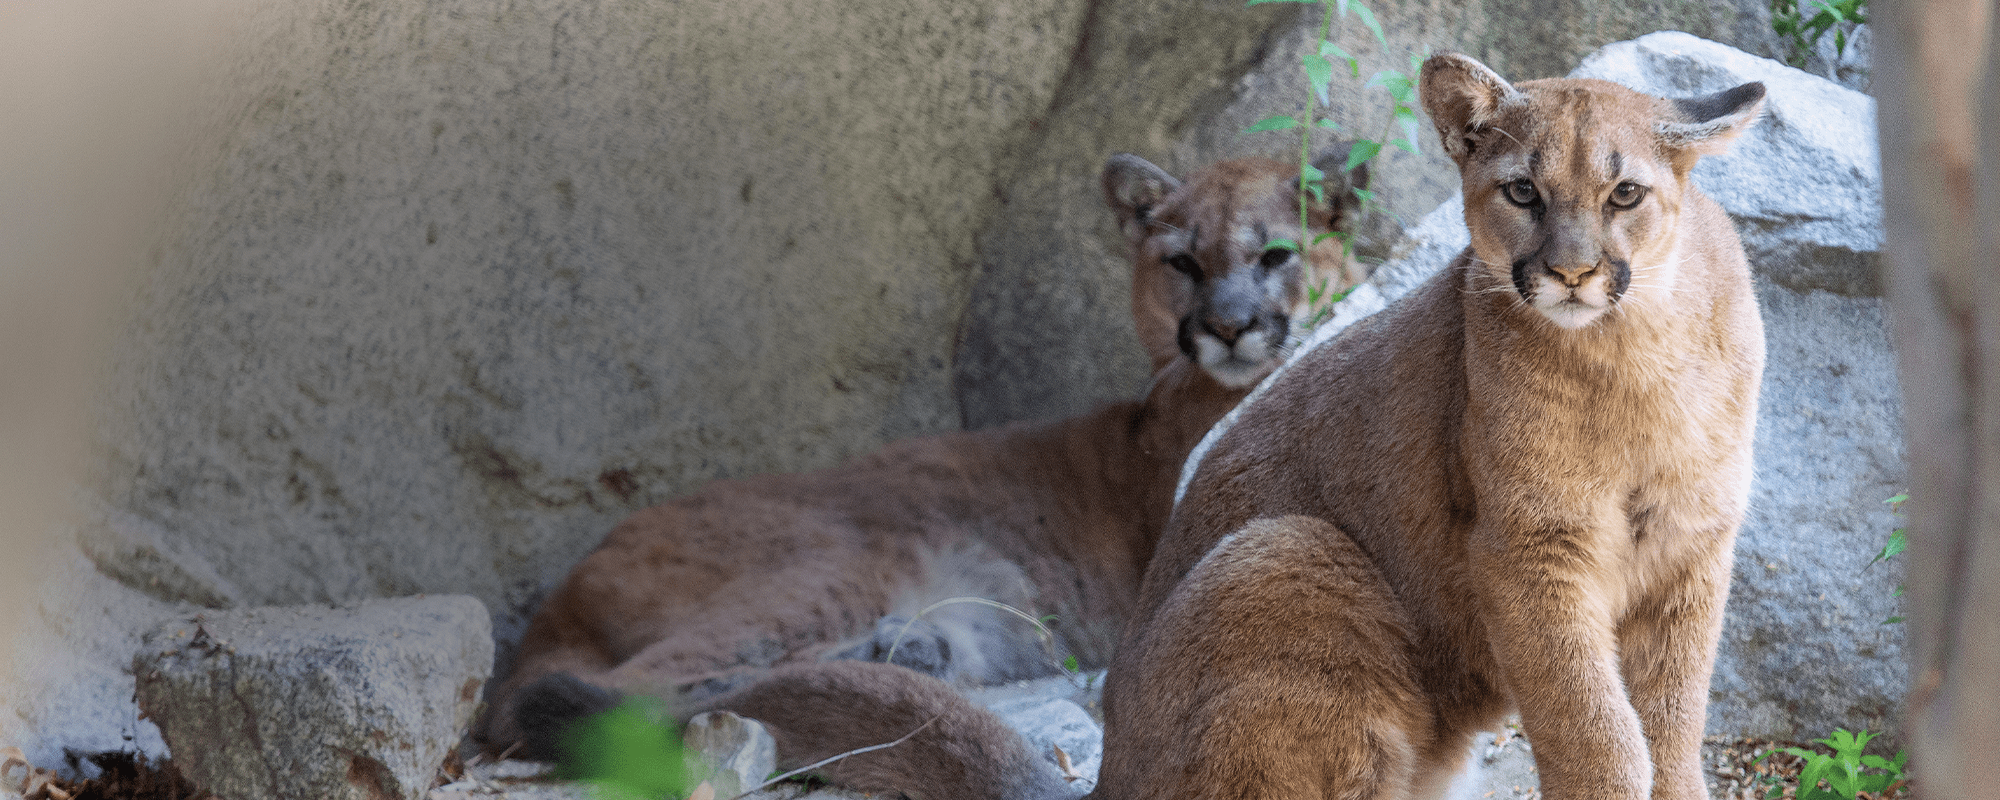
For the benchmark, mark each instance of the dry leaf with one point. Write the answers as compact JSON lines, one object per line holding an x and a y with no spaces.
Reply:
{"x":702,"y":792}
{"x":1069,"y":773}
{"x":31,"y":780}
{"x":11,"y":757}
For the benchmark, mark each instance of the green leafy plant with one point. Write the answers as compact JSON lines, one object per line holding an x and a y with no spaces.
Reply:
{"x":1320,"y":66}
{"x":1847,"y":772}
{"x":1897,"y":542}
{"x":1803,"y":33}
{"x":631,"y":752}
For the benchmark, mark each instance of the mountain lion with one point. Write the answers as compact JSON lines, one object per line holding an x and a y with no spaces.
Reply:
{"x":712,"y":591}
{"x":1517,"y":488}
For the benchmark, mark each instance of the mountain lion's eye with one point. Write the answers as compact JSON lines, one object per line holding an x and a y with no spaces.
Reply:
{"x":1627,"y":195}
{"x":1184,"y":263}
{"x":1275,"y":257}
{"x":1522,"y":193}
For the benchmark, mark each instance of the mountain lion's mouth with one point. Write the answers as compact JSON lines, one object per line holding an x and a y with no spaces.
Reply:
{"x":1236,"y":365}
{"x":1571,"y":308}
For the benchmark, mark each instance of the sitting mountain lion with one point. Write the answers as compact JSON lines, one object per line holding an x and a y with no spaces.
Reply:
{"x":712,"y":591}
{"x":1519,"y":487}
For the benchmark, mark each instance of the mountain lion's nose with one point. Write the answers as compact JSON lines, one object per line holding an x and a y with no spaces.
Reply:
{"x":1227,"y":328}
{"x":1573,"y":274}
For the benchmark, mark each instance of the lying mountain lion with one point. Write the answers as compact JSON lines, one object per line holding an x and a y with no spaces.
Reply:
{"x":713,"y":590}
{"x":1517,"y":487}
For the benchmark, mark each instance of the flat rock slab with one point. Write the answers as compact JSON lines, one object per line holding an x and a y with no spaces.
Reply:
{"x":317,"y":702}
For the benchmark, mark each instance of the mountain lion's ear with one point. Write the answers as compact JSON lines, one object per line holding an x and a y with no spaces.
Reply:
{"x":1341,"y":204}
{"x":1706,"y":125}
{"x":1330,"y":161}
{"x":1461,"y":96}
{"x":1132,"y":187}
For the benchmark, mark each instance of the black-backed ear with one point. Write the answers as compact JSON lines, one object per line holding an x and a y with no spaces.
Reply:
{"x":1341,"y":199}
{"x":1132,"y":187}
{"x":1707,"y":124}
{"x":1461,"y":96}
{"x":1330,"y":161}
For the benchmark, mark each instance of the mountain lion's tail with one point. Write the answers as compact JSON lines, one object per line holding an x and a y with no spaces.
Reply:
{"x":954,"y":750}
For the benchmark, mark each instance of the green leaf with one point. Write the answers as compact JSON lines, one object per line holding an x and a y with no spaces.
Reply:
{"x":1817,"y":765}
{"x":1363,"y":150}
{"x":1897,"y":500}
{"x":1277,"y":123}
{"x":1319,"y":72}
{"x":1328,"y":124}
{"x":1397,"y":84}
{"x":1070,"y":664}
{"x":1407,"y":118}
{"x":1892,"y":620}
{"x":1341,"y":235}
{"x":630,"y":751}
{"x":1898,"y":542}
{"x":1332,"y":51}
{"x":1846,"y":778}
{"x":1368,"y":19}
{"x":1405,"y":145}
{"x":1310,"y":174}
{"x":1365,"y":195}
{"x":1283,"y":243}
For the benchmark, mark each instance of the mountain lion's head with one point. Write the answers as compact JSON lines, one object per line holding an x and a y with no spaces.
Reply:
{"x":1573,"y":189}
{"x":1226,"y":267}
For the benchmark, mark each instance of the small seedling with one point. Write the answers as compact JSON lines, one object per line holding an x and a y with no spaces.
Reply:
{"x":1847,"y":773}
{"x":1895,"y":546}
{"x":1319,"y":66}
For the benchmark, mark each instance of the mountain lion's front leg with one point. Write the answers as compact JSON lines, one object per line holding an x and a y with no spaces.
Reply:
{"x":1542,"y":592}
{"x":1668,"y":645}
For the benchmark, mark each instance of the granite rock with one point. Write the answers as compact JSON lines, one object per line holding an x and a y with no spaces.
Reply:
{"x":313,"y":702}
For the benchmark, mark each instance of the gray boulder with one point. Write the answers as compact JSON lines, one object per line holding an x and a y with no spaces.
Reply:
{"x":317,"y":702}
{"x":1804,"y":649}
{"x":1047,"y":713}
{"x":737,"y":754}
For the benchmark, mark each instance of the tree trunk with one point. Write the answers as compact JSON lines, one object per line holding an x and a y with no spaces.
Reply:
{"x":1937,"y":81}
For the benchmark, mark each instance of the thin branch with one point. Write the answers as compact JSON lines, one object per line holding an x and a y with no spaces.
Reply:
{"x":889,"y":658}
{"x":830,"y":759}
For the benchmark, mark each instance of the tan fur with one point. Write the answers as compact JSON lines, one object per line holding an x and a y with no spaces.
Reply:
{"x":1498,"y":493}
{"x":1053,"y":518}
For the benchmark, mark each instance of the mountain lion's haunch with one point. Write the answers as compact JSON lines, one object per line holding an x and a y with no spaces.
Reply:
{"x":748,"y":594}
{"x":1518,"y":487}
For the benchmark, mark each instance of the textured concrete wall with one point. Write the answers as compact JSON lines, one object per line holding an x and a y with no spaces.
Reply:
{"x":451,"y":287}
